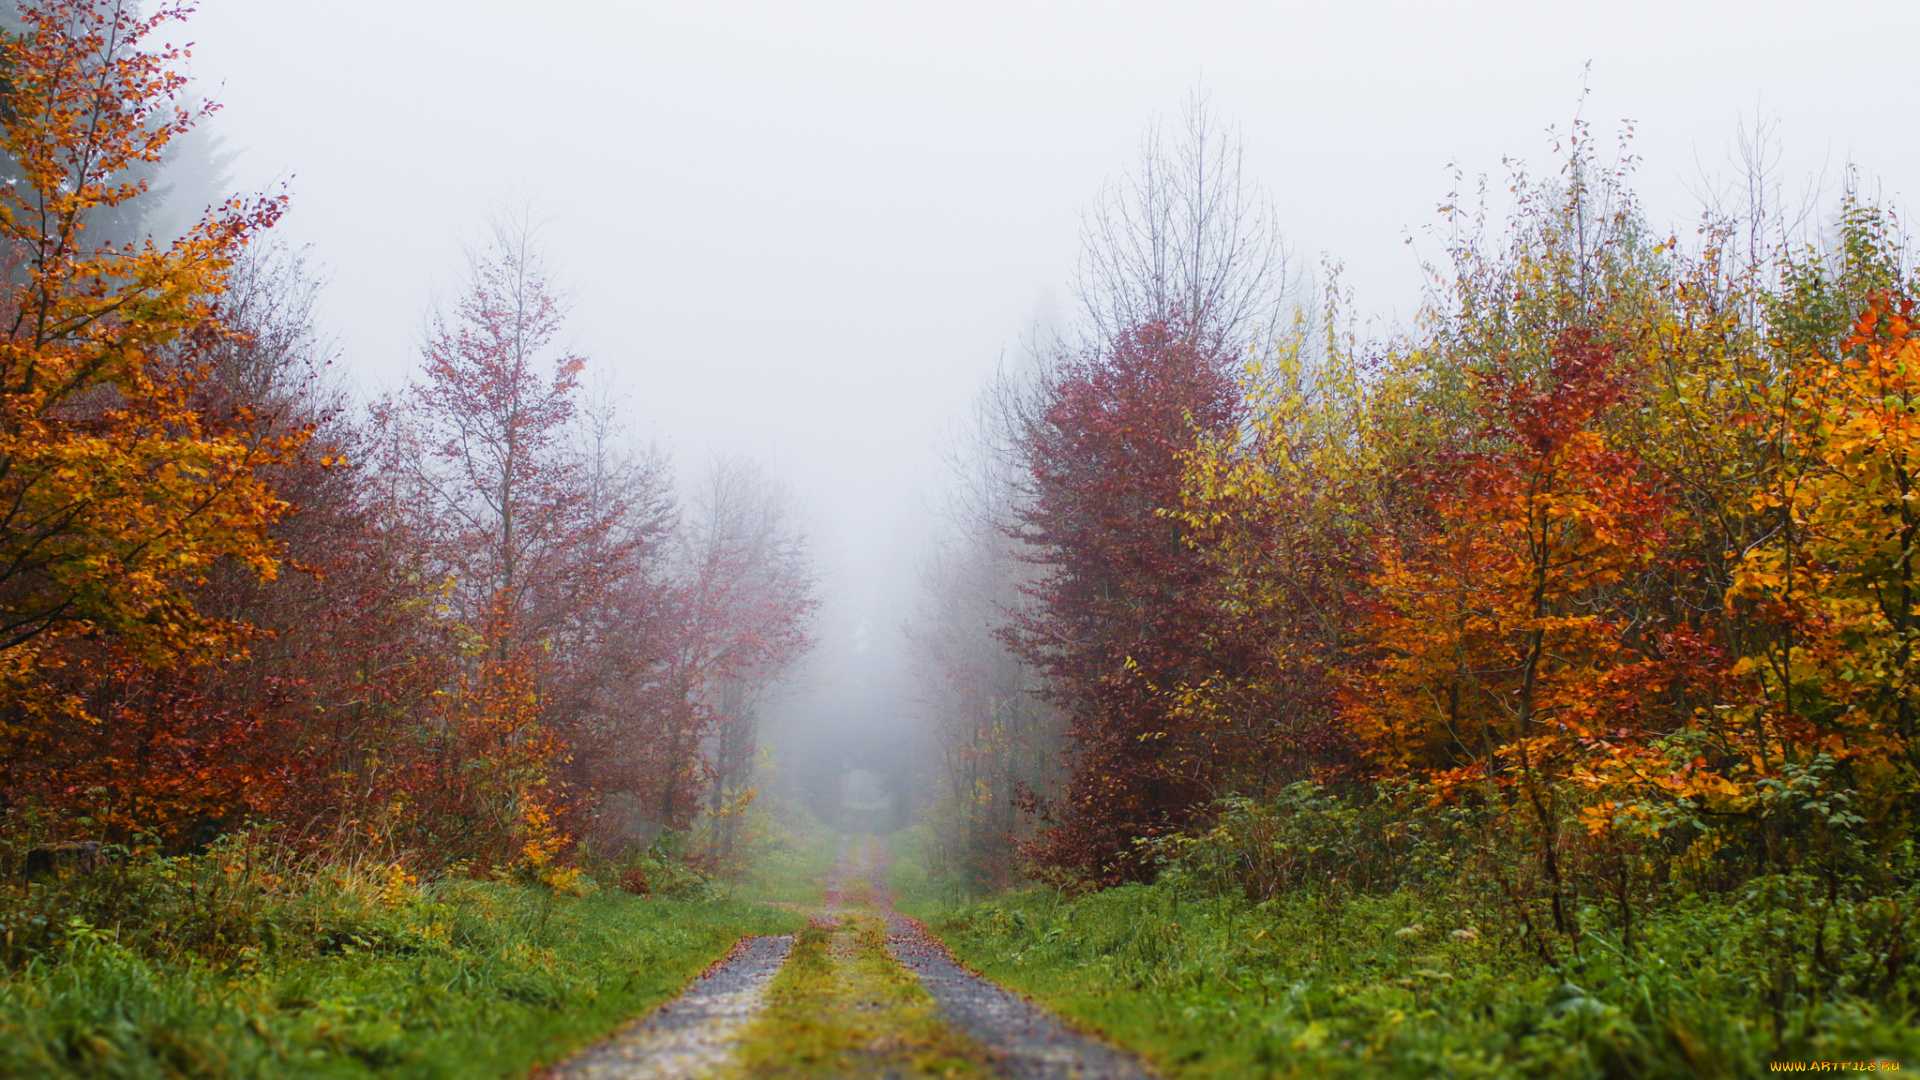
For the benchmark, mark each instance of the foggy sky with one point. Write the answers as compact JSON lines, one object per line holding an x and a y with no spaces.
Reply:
{"x":807,"y":231}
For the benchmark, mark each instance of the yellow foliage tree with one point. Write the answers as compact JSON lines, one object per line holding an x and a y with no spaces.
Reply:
{"x":1839,"y":572}
{"x":116,"y":491}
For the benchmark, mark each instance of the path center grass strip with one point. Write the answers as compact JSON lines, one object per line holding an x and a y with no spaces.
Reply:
{"x":842,"y":1007}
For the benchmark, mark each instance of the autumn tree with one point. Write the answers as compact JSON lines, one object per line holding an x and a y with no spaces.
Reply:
{"x":308,"y":717}
{"x":1820,"y":591}
{"x":1182,"y":272}
{"x":1282,"y":506}
{"x":744,"y":600}
{"x":1484,"y":622}
{"x":485,"y":446}
{"x":1839,"y":577}
{"x":606,"y":693}
{"x":1122,"y":618}
{"x":117,"y":490}
{"x":126,"y":484}
{"x":496,"y":409}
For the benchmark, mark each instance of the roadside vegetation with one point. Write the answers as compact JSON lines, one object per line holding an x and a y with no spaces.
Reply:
{"x":1433,"y":972}
{"x":251,"y":961}
{"x":789,"y":853}
{"x":337,"y":737}
{"x":1528,"y":690}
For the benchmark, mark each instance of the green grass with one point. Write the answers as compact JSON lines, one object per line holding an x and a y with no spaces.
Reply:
{"x":455,"y":979}
{"x":790,"y":866}
{"x":914,"y":887}
{"x":841,"y":1007}
{"x":1409,"y":985}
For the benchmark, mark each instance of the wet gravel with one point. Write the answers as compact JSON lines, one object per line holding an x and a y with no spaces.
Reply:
{"x":1027,"y":1042}
{"x":695,"y":1034}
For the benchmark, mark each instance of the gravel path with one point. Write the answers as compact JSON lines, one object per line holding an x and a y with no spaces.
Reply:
{"x":1029,"y":1042}
{"x":695,"y":1034}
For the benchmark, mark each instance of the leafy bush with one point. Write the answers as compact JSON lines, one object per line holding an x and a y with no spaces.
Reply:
{"x":246,"y":898}
{"x":659,"y":869}
{"x":1305,"y":836}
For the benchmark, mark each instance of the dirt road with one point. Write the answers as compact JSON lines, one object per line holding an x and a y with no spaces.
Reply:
{"x":863,"y":992}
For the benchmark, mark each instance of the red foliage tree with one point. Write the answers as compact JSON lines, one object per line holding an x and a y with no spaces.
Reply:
{"x":1125,"y":621}
{"x":519,"y":524}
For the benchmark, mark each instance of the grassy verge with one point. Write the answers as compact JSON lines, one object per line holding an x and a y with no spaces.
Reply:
{"x":204,"y":968}
{"x":1408,"y":985}
{"x":790,"y":864}
{"x":914,"y":887}
{"x":841,"y":1007}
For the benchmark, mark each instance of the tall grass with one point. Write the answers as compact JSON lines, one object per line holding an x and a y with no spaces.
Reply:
{"x":1405,"y":984}
{"x":791,"y":857}
{"x":250,"y":961}
{"x":1286,"y":941}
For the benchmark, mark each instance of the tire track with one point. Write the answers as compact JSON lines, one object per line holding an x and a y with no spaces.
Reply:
{"x":696,"y":1034}
{"x":1027,"y":1041}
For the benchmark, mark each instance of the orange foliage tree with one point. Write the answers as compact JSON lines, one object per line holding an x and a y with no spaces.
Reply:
{"x":1497,"y":659}
{"x":119,"y":491}
{"x":1489,"y":648}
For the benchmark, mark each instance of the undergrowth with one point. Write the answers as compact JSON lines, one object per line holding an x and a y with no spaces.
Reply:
{"x":1267,"y":948}
{"x":249,"y":962}
{"x":791,"y":858}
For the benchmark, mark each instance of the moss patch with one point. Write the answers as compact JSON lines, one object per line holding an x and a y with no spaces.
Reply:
{"x":841,"y":1007}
